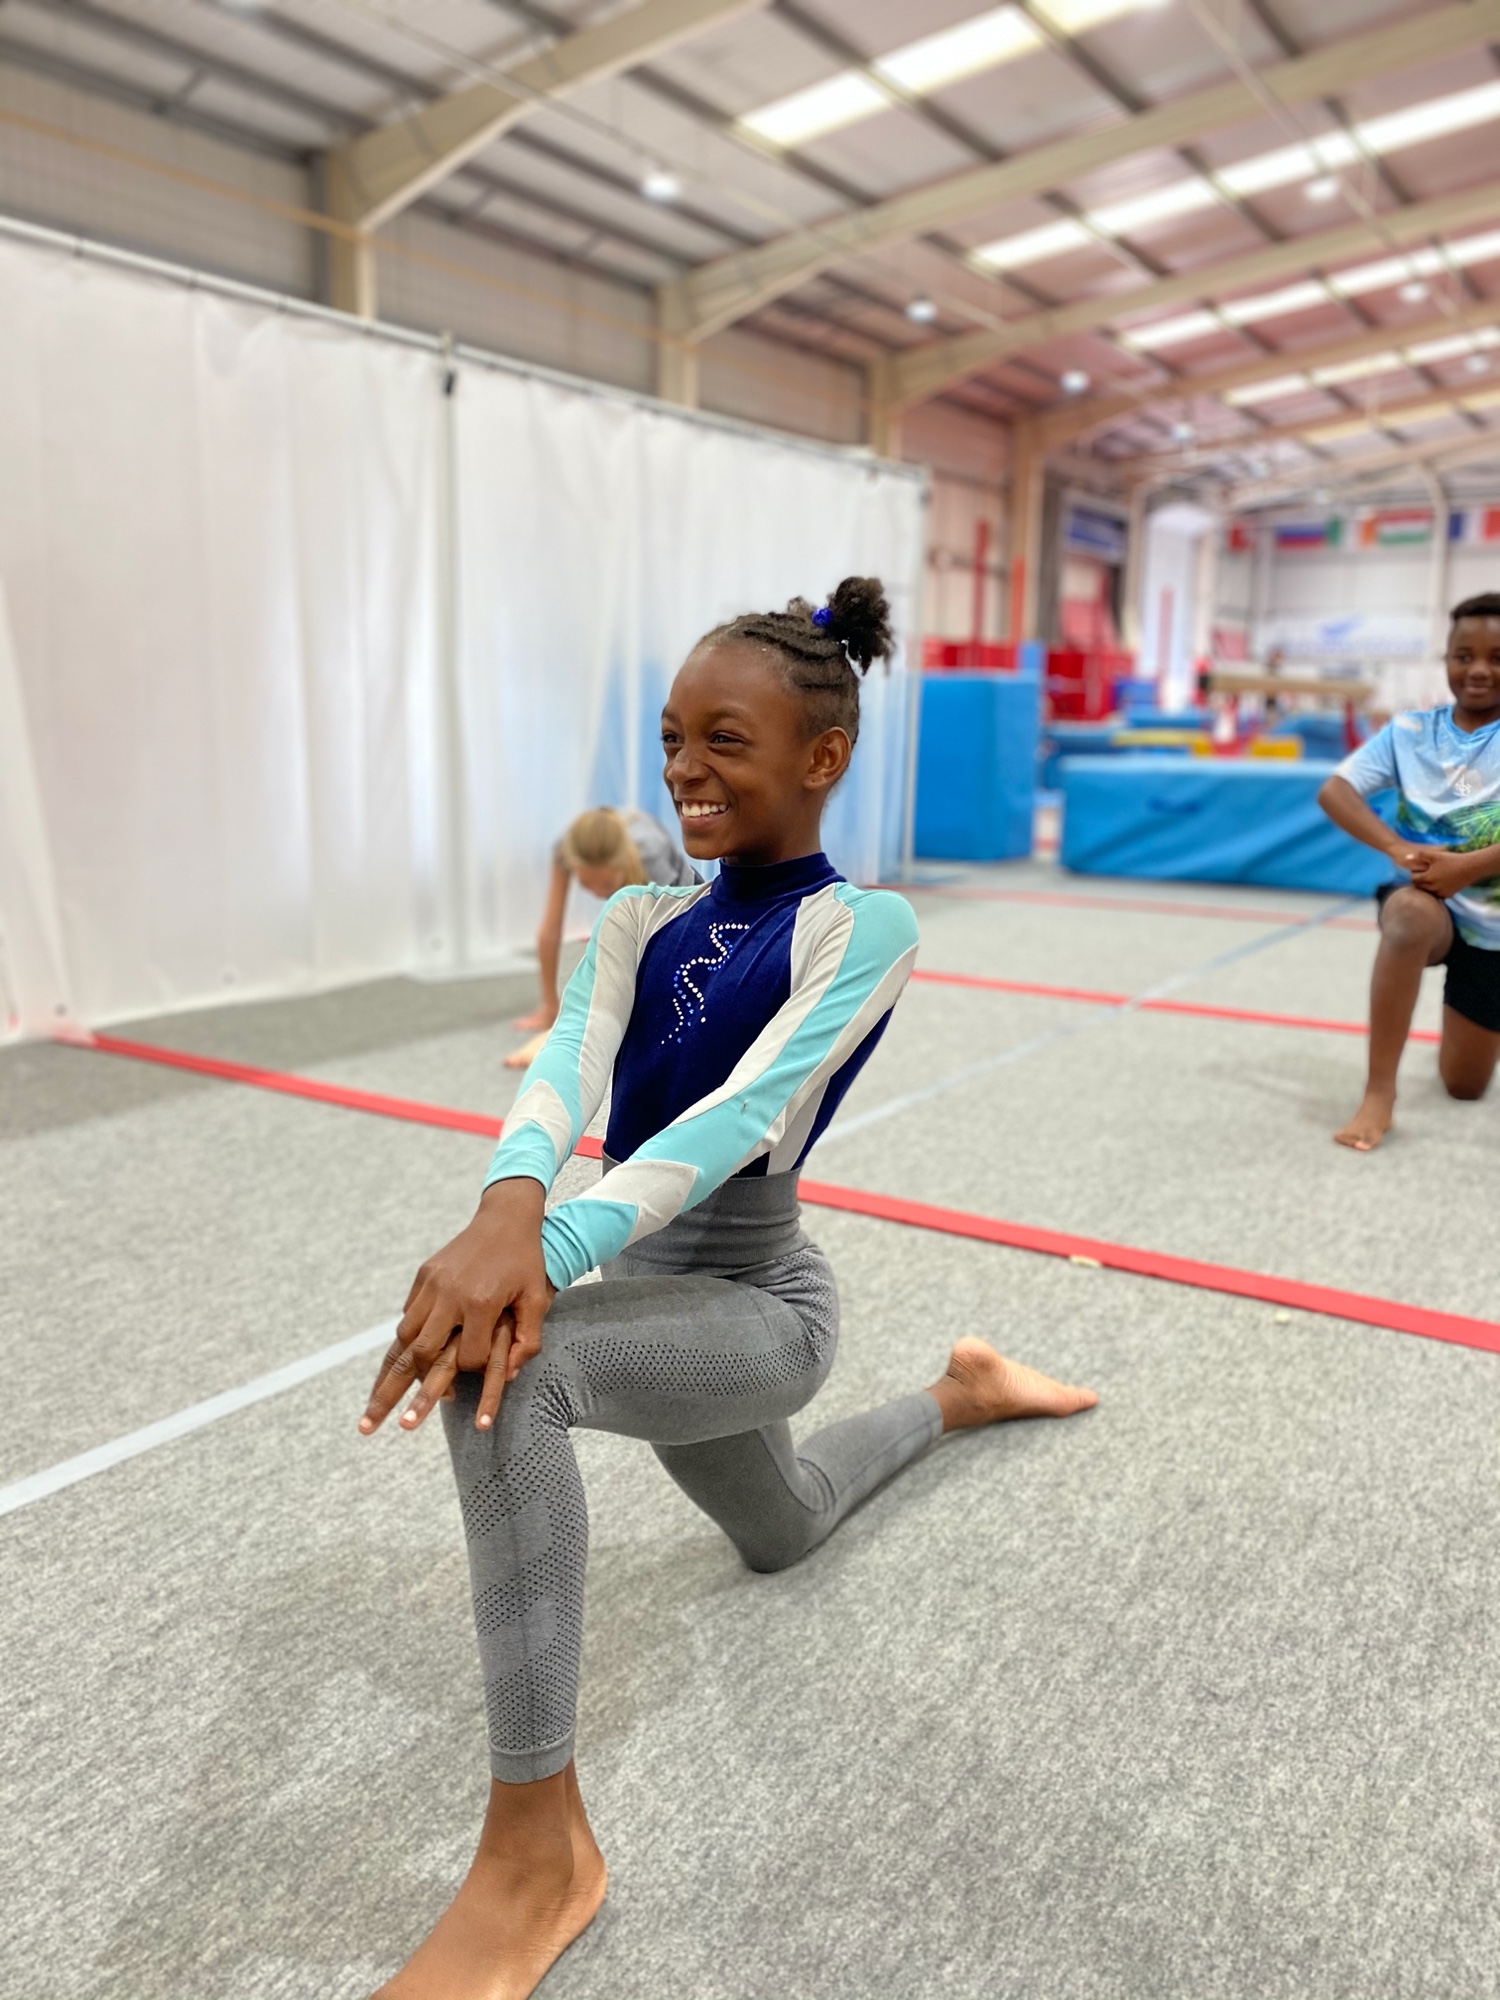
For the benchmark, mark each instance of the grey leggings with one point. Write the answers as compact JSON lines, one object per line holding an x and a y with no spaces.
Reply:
{"x":704,"y":1345}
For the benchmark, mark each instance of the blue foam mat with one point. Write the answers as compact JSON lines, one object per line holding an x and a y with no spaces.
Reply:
{"x":1169,"y":819}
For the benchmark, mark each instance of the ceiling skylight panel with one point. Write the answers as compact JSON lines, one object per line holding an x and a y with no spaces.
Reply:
{"x":1119,"y":218}
{"x":1452,"y":345}
{"x":976,"y":44}
{"x":1049,"y":240}
{"x":1268,"y":305}
{"x":1265,"y":392}
{"x":1288,"y":163}
{"x":1343,"y":427}
{"x":1356,"y":371}
{"x":1475,"y":249}
{"x":1167,"y":332}
{"x":825,"y":107}
{"x":1433,"y":120}
{"x":1076,"y":17}
{"x":1389,"y":271}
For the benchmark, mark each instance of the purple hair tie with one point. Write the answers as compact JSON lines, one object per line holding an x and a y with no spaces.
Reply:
{"x":823,"y":617}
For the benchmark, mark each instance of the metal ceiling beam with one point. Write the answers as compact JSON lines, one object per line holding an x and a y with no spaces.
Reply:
{"x":1462,"y":451}
{"x":1073,"y":420}
{"x":727,"y":289}
{"x":1314,"y":430}
{"x":922,"y":371}
{"x":374,"y":177}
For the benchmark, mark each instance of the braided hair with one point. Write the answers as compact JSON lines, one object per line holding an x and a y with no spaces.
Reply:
{"x":821,"y":653}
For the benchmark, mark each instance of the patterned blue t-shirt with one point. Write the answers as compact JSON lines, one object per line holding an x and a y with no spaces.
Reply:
{"x":1449,"y":782}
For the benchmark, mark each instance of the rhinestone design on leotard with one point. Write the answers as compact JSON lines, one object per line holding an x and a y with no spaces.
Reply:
{"x":689,"y":1001}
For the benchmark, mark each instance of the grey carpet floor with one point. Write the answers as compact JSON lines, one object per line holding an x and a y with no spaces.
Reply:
{"x":1191,"y":1697}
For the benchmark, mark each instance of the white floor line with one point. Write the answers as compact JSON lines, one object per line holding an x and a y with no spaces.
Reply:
{"x":38,"y":1485}
{"x":846,"y":1128}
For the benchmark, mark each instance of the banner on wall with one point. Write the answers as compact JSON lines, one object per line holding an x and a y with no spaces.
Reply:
{"x":1352,"y":638}
{"x":1091,"y":531}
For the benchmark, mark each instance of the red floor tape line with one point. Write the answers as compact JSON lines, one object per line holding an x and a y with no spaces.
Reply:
{"x":1138,"y":905}
{"x":1454,"y":1327}
{"x":1090,"y":997}
{"x":1389,"y":1313}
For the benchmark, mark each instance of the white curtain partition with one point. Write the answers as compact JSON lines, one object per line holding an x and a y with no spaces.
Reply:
{"x":308,"y":662}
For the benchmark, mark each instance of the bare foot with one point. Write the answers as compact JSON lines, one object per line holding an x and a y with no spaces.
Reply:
{"x":1370,"y":1123}
{"x":514,"y":1917}
{"x":541,"y":1016}
{"x":522,"y":1057}
{"x":982,"y":1387}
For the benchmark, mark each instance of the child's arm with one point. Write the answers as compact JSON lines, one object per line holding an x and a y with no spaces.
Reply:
{"x":1347,"y":809}
{"x":548,"y":950}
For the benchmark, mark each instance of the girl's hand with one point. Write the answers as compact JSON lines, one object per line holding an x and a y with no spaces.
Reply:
{"x":1438,"y":870}
{"x":478,"y":1303}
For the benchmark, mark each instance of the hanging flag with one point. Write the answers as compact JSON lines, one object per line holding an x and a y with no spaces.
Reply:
{"x":1309,"y":534}
{"x":1474,"y":525}
{"x":1395,"y":527}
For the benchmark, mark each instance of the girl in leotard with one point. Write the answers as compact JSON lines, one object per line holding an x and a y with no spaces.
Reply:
{"x":729,"y":1021}
{"x":604,"y":851}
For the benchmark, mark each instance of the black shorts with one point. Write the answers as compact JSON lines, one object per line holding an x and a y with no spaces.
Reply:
{"x":1472,"y":987}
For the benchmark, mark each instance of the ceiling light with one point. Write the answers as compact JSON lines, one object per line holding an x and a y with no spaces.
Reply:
{"x":1446,"y":349}
{"x":1288,"y":163}
{"x":1324,"y":188}
{"x":1389,"y":271}
{"x":807,"y":114}
{"x":1076,"y":17}
{"x":1119,"y":218}
{"x":1413,"y":290}
{"x":1183,"y":433}
{"x":1073,"y":381}
{"x":1273,"y":305}
{"x":975,"y":44}
{"x":1265,"y":392}
{"x":659,"y":185}
{"x":1166,"y":332}
{"x":1432,"y":120}
{"x":1356,"y":371}
{"x":1477,"y":364}
{"x":923,"y":311}
{"x":1475,"y":249}
{"x":1032,"y":244}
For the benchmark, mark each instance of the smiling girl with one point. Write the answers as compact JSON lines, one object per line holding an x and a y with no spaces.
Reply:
{"x":729,"y":1020}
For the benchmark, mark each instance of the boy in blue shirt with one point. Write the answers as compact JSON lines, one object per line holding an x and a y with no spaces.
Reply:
{"x":1445,"y":763}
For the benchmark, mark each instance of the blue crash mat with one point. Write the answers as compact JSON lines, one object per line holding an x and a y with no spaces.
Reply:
{"x":976,"y":765}
{"x":1202,"y":819}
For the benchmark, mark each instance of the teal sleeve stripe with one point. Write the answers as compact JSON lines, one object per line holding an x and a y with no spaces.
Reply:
{"x":527,"y":1154}
{"x":569,"y":1250}
{"x":719,"y":1140}
{"x":522,"y":1151}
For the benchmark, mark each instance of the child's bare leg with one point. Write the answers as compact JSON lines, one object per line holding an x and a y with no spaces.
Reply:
{"x":1466,"y":1060}
{"x":535,"y":1884}
{"x":1415,"y":932}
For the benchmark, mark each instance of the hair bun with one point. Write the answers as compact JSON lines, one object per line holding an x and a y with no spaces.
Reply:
{"x":860,"y":619}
